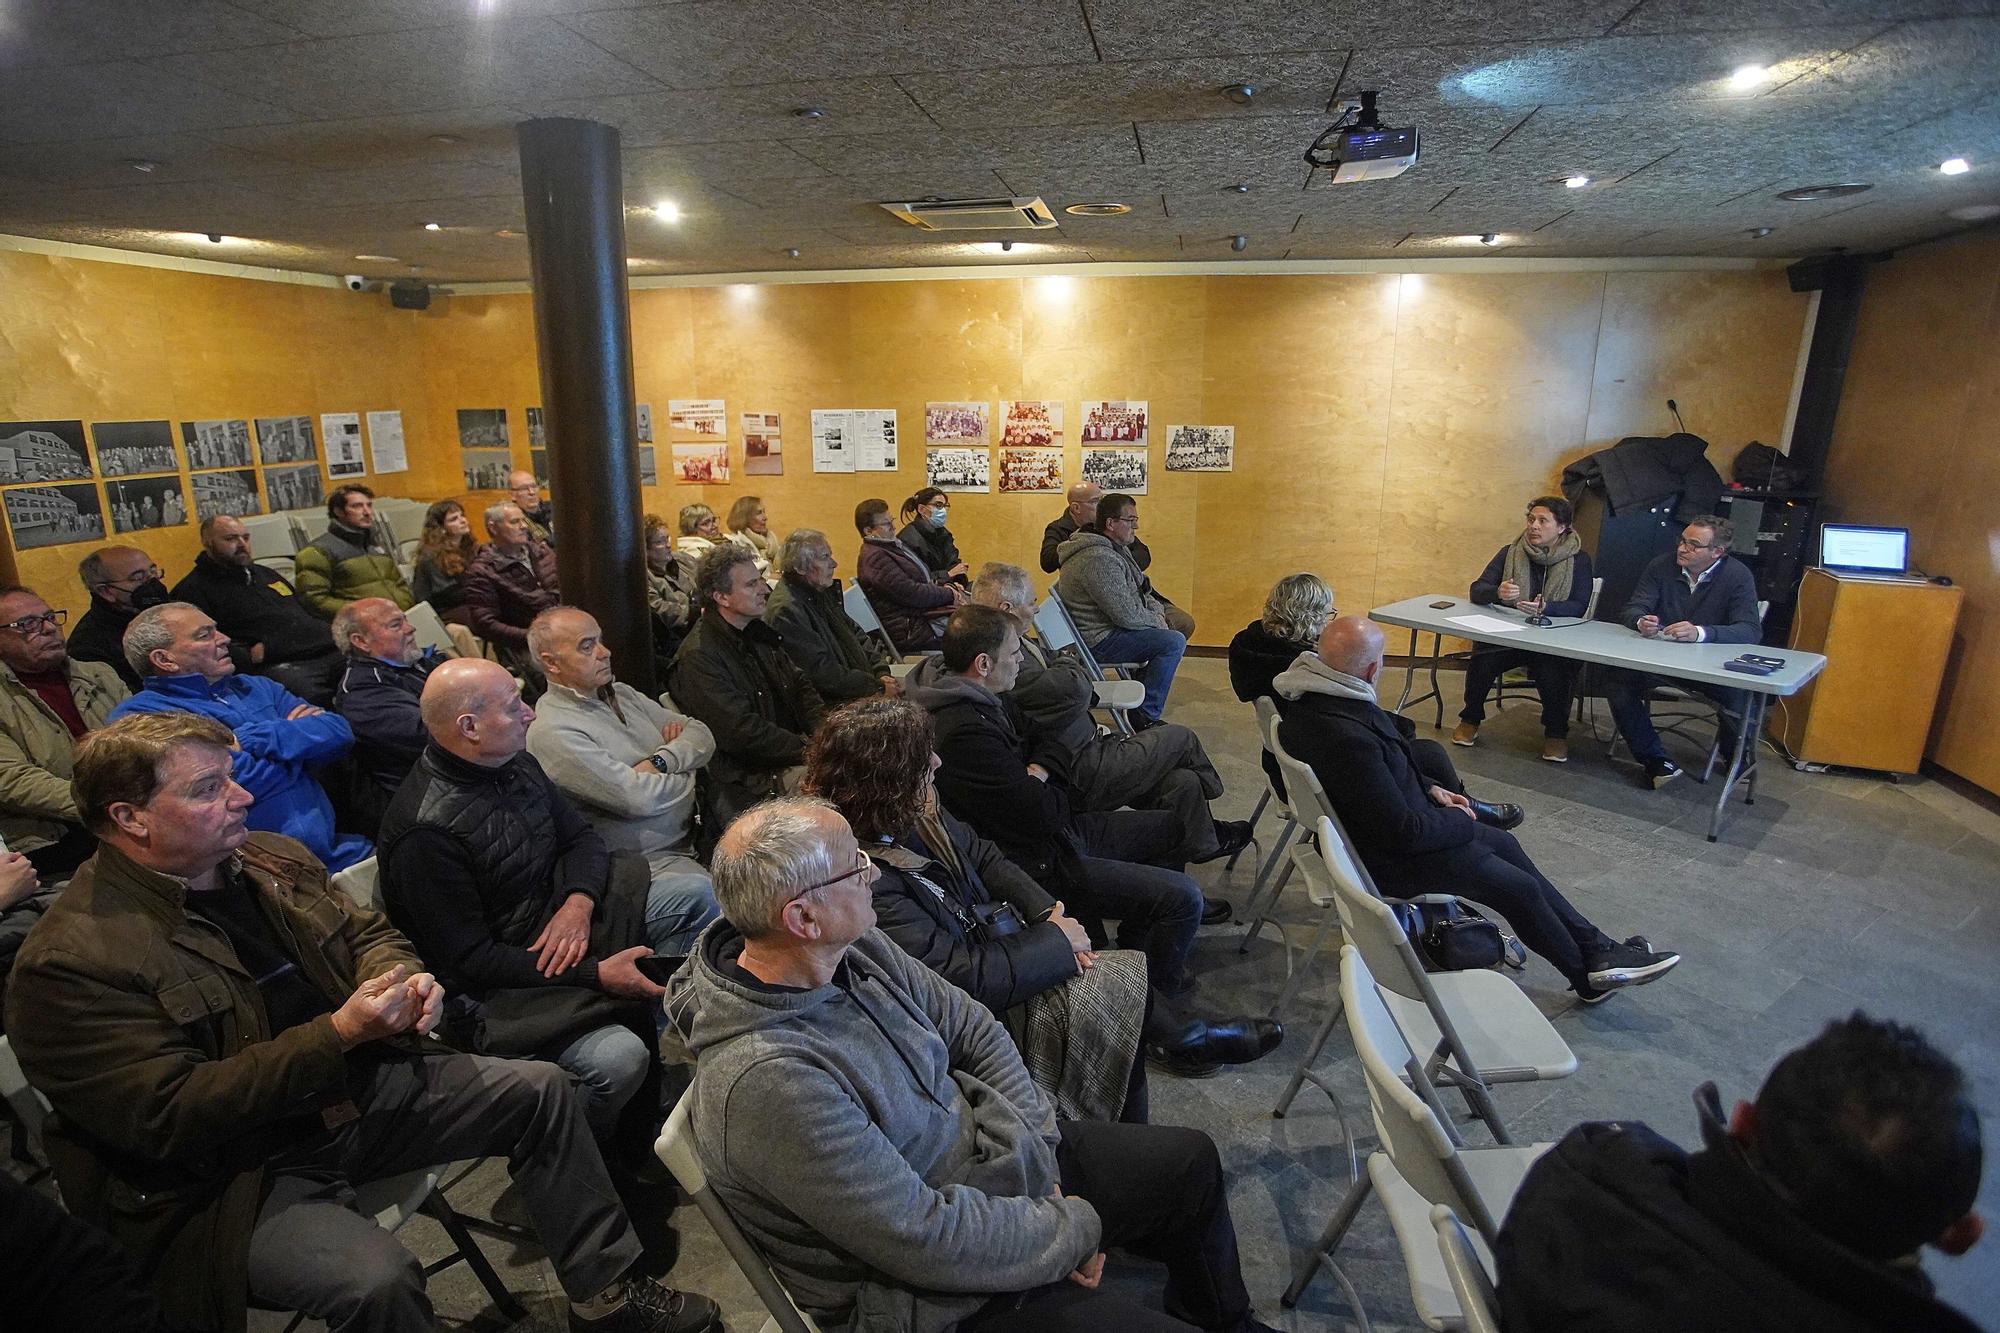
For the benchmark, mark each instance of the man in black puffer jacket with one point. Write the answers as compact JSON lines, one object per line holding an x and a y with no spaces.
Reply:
{"x":1802,"y":1213}
{"x":505,"y":890}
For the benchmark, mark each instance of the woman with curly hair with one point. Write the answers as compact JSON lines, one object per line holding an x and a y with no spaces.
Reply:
{"x":952,"y":901}
{"x":443,"y":552}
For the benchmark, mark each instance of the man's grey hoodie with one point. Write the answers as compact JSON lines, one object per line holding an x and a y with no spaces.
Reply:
{"x":877,"y":1137}
{"x":1104,"y":589}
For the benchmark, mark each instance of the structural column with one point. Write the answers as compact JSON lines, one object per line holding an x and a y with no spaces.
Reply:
{"x":572,"y":181}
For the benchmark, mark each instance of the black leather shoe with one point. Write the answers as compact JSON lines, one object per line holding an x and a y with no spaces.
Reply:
{"x":1142,"y":721}
{"x":1499,"y":814}
{"x":1231,"y":837}
{"x":1217,"y":1042}
{"x":1216,"y":911}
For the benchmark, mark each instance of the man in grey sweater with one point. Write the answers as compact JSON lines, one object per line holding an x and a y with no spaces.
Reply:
{"x":1114,"y":605}
{"x":628,"y":763}
{"x":875,"y":1133}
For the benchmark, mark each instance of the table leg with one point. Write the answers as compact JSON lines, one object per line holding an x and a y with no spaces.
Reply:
{"x":1404,"y":700}
{"x":1742,"y":763}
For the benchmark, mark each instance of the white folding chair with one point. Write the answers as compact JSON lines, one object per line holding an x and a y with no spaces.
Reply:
{"x":1478,"y":1028}
{"x":1267,"y":735}
{"x":862,"y":612}
{"x":362,"y":883}
{"x":676,"y":1148}
{"x":1057,"y":631}
{"x":271,"y":535}
{"x":431,"y":632}
{"x":1417,"y":1163}
{"x":1477,"y":1302}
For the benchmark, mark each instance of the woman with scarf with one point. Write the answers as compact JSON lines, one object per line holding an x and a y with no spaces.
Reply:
{"x":1544,"y":572}
{"x":750,"y":527}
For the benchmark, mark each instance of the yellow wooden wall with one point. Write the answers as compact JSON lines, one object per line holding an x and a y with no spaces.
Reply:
{"x":1917,"y":445}
{"x":1389,"y":427}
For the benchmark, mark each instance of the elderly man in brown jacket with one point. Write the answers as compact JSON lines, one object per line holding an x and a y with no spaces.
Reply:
{"x":229,"y":1046}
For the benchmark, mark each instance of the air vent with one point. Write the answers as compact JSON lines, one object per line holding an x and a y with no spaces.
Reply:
{"x":974,"y":214}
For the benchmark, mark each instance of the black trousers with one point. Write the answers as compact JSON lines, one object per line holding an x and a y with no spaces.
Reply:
{"x":1159,"y":1192}
{"x":1626,"y":691}
{"x":1555,"y":681}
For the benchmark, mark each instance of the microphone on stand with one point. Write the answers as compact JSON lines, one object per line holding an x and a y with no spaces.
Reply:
{"x":1675,"y":409}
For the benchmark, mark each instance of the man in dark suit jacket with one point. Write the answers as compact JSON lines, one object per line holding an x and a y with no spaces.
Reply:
{"x":1701,"y":595}
{"x":1415,"y":829}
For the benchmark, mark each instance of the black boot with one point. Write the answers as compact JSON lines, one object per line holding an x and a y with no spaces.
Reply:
{"x":1502,"y":815}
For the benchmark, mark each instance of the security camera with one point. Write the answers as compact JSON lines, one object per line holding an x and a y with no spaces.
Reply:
{"x":354,"y":282}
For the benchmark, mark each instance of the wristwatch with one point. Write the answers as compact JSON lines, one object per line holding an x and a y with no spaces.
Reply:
{"x":658,"y":760}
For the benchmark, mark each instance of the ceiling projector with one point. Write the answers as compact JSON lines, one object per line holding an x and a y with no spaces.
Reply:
{"x":1358,"y":147}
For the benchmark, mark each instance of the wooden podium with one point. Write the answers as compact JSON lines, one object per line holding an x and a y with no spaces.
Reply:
{"x":1886,"y":642}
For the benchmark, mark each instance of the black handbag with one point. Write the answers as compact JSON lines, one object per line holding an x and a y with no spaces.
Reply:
{"x":1448,"y":938}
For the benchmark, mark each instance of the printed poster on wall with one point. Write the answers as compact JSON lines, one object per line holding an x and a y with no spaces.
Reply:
{"x":1113,"y":421}
{"x":1030,"y":423}
{"x":701,"y":464}
{"x":956,"y":469}
{"x":128,"y":448}
{"x":1201,"y":448}
{"x":645,"y":423}
{"x":854,"y":439}
{"x":1116,"y":469}
{"x":1031,"y":470}
{"x":285,"y":440}
{"x":44,"y":451}
{"x":954,"y":423}
{"x":216,"y":444}
{"x":343,"y":444}
{"x":697,"y":420}
{"x":385,"y":442}
{"x":763,"y":451}
{"x":52,"y":515}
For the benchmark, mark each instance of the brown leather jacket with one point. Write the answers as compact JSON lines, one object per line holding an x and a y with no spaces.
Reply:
{"x":150,"y":1040}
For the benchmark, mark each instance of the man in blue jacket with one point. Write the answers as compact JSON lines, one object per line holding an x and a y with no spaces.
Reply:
{"x":1699,"y":596}
{"x":184,"y":660}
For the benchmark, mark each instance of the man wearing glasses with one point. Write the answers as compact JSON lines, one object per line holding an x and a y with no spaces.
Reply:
{"x":1114,"y":605}
{"x":122,"y":581}
{"x":48,"y":700}
{"x":1700,"y":595}
{"x":526,"y":492}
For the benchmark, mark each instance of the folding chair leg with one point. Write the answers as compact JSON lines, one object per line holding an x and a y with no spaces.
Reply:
{"x":1255,"y":815}
{"x":1319,"y":1041}
{"x":447,"y":1217}
{"x":1319,"y":938}
{"x":1270,"y":901}
{"x":1329,"y":1240}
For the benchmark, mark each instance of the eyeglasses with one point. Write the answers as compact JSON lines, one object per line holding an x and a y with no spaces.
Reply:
{"x":27,"y":625}
{"x":1687,"y":545}
{"x":135,"y":578}
{"x":860,"y":867}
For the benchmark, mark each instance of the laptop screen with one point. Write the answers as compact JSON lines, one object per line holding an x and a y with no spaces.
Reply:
{"x":1884,"y":550}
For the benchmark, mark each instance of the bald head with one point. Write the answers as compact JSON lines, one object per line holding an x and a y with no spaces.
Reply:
{"x":1352,"y":644}
{"x":473,"y":709}
{"x":1083,"y":498}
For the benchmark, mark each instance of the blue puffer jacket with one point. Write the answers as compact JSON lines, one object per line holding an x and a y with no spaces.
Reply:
{"x":272,"y":764}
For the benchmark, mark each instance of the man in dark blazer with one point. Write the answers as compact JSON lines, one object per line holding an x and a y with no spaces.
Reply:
{"x":1700,"y":595}
{"x":1416,"y":831}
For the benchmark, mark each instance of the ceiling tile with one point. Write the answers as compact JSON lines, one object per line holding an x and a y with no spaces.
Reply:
{"x":856,"y":107}
{"x":479,"y":134}
{"x":117,"y":98}
{"x":344,"y":18}
{"x":75,"y":33}
{"x":107,"y":162}
{"x":1725,"y":15}
{"x":1132,"y":90}
{"x":1138,"y":29}
{"x":1916,"y":69}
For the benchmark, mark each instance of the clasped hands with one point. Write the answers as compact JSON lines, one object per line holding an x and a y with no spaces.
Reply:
{"x":1681,"y":631}
{"x":566,"y":938}
{"x":1451,"y":800}
{"x":388,"y":1005}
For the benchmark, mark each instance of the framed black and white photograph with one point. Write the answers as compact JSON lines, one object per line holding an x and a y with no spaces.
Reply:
{"x":1201,"y":448}
{"x":343,"y":444}
{"x":216,"y":443}
{"x":285,"y":440}
{"x":42,"y":451}
{"x":1114,"y":420}
{"x":958,"y":469}
{"x":233,"y":493}
{"x":52,"y":515}
{"x":538,"y":431}
{"x":482,"y":428}
{"x":294,"y":488}
{"x":485,"y":469}
{"x":1116,"y":469}
{"x":153,"y":502}
{"x":645,"y":423}
{"x":1031,"y":469}
{"x":131,"y":448}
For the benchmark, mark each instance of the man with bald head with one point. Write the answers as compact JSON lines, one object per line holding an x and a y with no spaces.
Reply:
{"x":271,"y":632}
{"x":511,"y":897}
{"x":1082,"y":512}
{"x":121,"y":581}
{"x":1401,"y":804}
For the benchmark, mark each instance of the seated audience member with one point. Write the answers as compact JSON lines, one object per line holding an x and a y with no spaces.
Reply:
{"x":349,"y":561}
{"x":122,"y":581}
{"x":48,"y":700}
{"x":750,"y":527}
{"x":507,"y":892}
{"x":1699,"y":595}
{"x":1114,"y":605}
{"x":381,"y":686}
{"x":271,"y":631}
{"x":733,"y":674}
{"x":669,"y":590}
{"x":444,"y":552}
{"x":279,"y":736}
{"x":23,"y":901}
{"x":628,"y":764}
{"x":1802,"y":1212}
{"x":510,"y":582}
{"x":1008,"y":783}
{"x":243,"y":1085}
{"x":1545,"y":572}
{"x":1296,"y":611}
{"x":65,"y":1273}
{"x":924,"y":517}
{"x":1412,"y":824}
{"x":1081,"y":513}
{"x":955,"y":903}
{"x":879,"y":1139}
{"x":526,"y":492}
{"x":1160,"y":768}
{"x":912,"y":602}
{"x":700,"y":533}
{"x":842,"y":660}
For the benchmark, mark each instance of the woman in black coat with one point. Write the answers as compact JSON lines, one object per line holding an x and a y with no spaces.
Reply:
{"x":1294,"y":614}
{"x":924,"y":531}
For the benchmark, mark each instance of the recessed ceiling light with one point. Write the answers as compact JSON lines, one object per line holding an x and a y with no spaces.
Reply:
{"x":1098,"y":210}
{"x":811,"y":113}
{"x":433,"y":226}
{"x":142,"y":164}
{"x":1239,"y":243}
{"x":1576,"y":182}
{"x":1239,"y":188}
{"x":1759,"y":233}
{"x":507,"y":232}
{"x":448,"y":140}
{"x":1806,"y":194}
{"x":666,"y":210}
{"x":1748,"y":76}
{"x":1975,"y":212}
{"x":1954,"y":166}
{"x":791,"y":252}
{"x":1240,"y":93}
{"x":378,"y":259}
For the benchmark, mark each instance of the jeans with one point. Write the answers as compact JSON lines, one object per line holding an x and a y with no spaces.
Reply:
{"x":1159,"y":649}
{"x":1131,"y":873}
{"x":1555,"y":679}
{"x":312,"y":1252}
{"x":680,"y":903}
{"x":1159,"y":1192}
{"x":1626,"y":691}
{"x":609,"y":1065}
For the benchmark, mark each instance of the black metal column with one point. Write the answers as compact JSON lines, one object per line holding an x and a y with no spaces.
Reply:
{"x":572,"y":181}
{"x":1840,"y":281}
